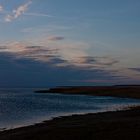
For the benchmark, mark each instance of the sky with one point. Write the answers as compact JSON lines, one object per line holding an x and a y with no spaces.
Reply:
{"x":69,"y":42}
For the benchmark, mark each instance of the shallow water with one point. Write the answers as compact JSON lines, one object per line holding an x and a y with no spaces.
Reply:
{"x":20,"y":107}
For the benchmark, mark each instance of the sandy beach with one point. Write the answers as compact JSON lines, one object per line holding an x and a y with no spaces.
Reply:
{"x":119,"y":125}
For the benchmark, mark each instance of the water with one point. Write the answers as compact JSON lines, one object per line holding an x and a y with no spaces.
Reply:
{"x":20,"y":107}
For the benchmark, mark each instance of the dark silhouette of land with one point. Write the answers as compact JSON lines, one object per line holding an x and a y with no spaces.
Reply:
{"x":129,"y":91}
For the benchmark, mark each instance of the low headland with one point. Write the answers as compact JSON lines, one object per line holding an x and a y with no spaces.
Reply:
{"x":113,"y":125}
{"x":124,"y":91}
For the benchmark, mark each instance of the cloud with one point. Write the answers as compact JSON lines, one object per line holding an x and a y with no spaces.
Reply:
{"x":67,"y":54}
{"x":27,"y":72}
{"x":94,"y":62}
{"x":18,"y":12}
{"x":21,"y":10}
{"x":36,"y":53}
{"x":75,"y":54}
{"x":9,"y":18}
{"x":96,"y":81}
{"x":55,"y":38}
{"x":68,"y":62}
{"x":1,"y":8}
{"x":135,"y":69}
{"x":38,"y":14}
{"x":72,"y":54}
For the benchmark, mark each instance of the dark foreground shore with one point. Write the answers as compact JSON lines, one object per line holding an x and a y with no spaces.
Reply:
{"x":120,"y":125}
{"x":129,"y":91}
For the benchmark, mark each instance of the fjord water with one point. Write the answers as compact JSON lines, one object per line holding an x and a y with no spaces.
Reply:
{"x":20,"y":107}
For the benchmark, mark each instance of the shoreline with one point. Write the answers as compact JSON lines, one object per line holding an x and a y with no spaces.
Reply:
{"x":113,"y":109}
{"x":110,"y":125}
{"x":108,"y":109}
{"x":69,"y":127}
{"x":124,"y":108}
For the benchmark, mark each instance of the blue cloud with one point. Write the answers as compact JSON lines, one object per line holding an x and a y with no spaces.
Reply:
{"x":25,"y":72}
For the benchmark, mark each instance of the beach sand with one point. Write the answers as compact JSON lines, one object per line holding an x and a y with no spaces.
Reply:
{"x":119,"y":125}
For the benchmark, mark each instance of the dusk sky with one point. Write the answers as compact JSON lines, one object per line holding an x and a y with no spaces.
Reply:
{"x":69,"y":42}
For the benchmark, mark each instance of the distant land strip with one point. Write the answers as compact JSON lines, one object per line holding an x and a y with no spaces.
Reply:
{"x":124,"y":91}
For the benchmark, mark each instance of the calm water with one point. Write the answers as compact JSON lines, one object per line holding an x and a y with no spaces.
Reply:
{"x":19,"y":107}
